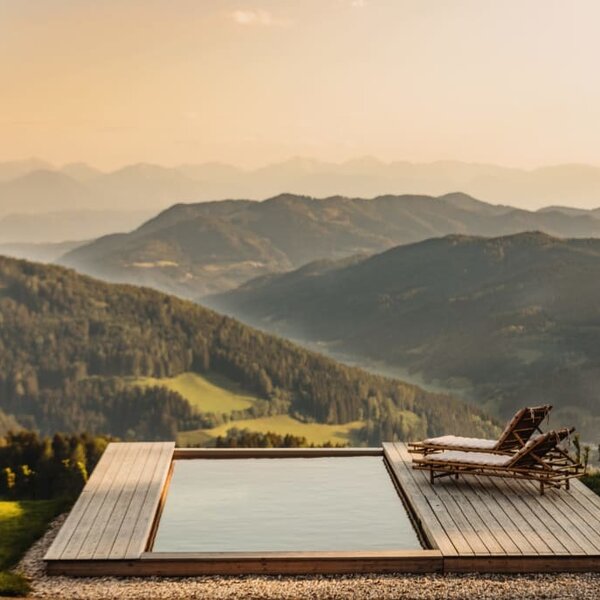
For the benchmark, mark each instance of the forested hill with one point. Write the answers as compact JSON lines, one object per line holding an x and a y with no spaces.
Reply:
{"x":511,"y":320}
{"x":67,"y":341}
{"x":195,"y":249}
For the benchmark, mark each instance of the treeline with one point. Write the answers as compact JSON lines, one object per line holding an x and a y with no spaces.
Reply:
{"x":105,"y":405}
{"x":34,"y":467}
{"x":63,"y":337}
{"x":244,"y":438}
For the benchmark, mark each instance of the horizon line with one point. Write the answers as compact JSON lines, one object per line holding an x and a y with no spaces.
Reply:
{"x":54,"y":166}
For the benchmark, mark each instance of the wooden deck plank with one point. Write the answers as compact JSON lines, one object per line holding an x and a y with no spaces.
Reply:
{"x":553,"y":518}
{"x":440,"y":510}
{"x":126,"y":482}
{"x":143,"y":526}
{"x":562,"y":526}
{"x":589,"y":513}
{"x":586,"y":502}
{"x":464,"y":525}
{"x":592,"y":498}
{"x":423,"y":512}
{"x":522,"y":517}
{"x":104,"y":514}
{"x":128,"y":489}
{"x":268,"y":563}
{"x":568,"y":520}
{"x":565,"y":502}
{"x":64,"y":535}
{"x":507,"y":518}
{"x":474,"y":510}
{"x":121,"y":542}
{"x":500,"y":523}
{"x":95,"y":505}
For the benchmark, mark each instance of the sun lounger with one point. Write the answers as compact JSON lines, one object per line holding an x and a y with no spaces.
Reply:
{"x":518,"y":431}
{"x":540,"y":459}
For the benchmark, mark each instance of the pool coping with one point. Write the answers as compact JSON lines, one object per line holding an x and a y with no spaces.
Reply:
{"x":149,"y":563}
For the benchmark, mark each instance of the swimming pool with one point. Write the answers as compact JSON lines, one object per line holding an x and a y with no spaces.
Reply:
{"x":326,"y":503}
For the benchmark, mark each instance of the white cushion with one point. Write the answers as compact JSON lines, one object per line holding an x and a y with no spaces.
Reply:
{"x":454,"y":441}
{"x":475,"y":458}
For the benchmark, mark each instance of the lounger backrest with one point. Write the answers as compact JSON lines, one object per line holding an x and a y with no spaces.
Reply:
{"x":538,"y":448}
{"x":521,"y":427}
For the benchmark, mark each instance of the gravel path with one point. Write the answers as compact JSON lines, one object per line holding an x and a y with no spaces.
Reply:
{"x":381,"y":587}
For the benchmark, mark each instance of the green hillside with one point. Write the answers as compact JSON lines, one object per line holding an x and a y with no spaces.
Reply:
{"x":506,"y":321}
{"x":210,"y":393}
{"x":70,"y":346}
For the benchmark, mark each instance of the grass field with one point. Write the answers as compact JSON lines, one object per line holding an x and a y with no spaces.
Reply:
{"x":315,"y":433}
{"x":207,"y":393}
{"x":21,"y":523}
{"x":216,"y":394}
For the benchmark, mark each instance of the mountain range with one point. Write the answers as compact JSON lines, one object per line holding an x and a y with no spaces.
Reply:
{"x":208,"y":247}
{"x":36,"y":185}
{"x":508,"y":321}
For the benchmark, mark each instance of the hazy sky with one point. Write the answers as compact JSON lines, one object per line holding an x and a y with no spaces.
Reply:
{"x":514,"y":82}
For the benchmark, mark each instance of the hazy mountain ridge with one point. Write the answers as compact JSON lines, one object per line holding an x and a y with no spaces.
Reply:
{"x":203,"y":248}
{"x":63,"y":226}
{"x":152,"y":186}
{"x":43,"y":253}
{"x":510,"y":320}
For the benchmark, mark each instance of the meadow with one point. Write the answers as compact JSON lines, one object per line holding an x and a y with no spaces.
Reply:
{"x":315,"y":433}
{"x":21,"y":523}
{"x":211,"y":393}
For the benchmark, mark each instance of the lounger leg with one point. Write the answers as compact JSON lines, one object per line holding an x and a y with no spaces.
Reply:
{"x":431,"y":476}
{"x":455,"y":475}
{"x":568,"y":484}
{"x":541,"y":488}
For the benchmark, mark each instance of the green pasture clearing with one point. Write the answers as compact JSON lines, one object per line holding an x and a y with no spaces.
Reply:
{"x":315,"y":433}
{"x":209,"y":393}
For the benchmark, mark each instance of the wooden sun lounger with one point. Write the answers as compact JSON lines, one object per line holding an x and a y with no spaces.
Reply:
{"x":539,"y":460}
{"x":516,"y":434}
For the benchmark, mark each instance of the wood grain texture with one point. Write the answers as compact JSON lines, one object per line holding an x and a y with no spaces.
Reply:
{"x":117,"y":506}
{"x":506,"y":517}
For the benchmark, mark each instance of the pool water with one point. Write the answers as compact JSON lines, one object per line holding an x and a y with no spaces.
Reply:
{"x":283,"y":504}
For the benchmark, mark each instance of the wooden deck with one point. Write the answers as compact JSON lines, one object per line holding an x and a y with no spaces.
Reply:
{"x":481,"y":523}
{"x":114,"y":515}
{"x":470,"y":525}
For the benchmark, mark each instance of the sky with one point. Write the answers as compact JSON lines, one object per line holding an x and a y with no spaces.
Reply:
{"x":110,"y":82}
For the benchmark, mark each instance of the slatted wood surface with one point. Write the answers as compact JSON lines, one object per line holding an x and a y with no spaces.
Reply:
{"x":481,"y":516}
{"x":113,"y":516}
{"x":475,"y":524}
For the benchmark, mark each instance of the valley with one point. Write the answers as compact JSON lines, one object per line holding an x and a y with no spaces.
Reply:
{"x":503,"y":321}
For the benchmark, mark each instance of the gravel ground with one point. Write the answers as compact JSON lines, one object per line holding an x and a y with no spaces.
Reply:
{"x":381,"y":587}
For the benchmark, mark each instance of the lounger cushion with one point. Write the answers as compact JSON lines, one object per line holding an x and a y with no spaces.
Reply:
{"x":471,"y":458}
{"x":454,"y":441}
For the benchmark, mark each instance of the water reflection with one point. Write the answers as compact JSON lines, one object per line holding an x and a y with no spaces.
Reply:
{"x":283,"y":504}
